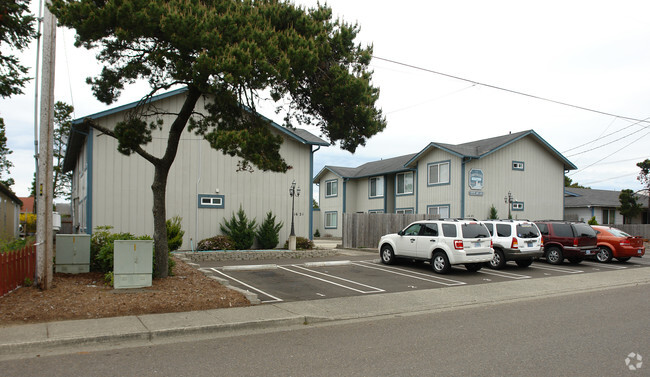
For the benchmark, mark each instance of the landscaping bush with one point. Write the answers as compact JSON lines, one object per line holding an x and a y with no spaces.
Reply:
{"x":174,"y":233}
{"x":592,"y":221}
{"x":316,"y":233}
{"x":302,"y":243}
{"x":267,"y":233}
{"x":12,"y":245}
{"x":240,"y":230}
{"x":216,"y":243}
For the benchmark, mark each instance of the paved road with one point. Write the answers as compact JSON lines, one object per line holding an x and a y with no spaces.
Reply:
{"x":589,"y":334}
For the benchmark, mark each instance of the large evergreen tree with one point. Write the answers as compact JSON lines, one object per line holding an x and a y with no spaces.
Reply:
{"x":629,"y":207}
{"x":62,"y":125}
{"x":232,"y":53}
{"x":5,"y":164}
{"x":16,"y":32}
{"x":644,"y":178}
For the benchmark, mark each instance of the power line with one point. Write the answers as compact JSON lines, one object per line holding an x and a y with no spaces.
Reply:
{"x":604,"y":145}
{"x":609,"y":155}
{"x":508,"y":90}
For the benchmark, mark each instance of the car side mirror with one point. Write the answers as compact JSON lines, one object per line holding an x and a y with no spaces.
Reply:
{"x":400,"y":233}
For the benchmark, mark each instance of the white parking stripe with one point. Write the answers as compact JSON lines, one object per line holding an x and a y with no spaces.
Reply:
{"x":604,"y":265}
{"x":275,"y":299}
{"x":340,"y":278}
{"x":558,"y":269}
{"x":504,"y":274}
{"x":328,"y":281}
{"x":411,"y":274}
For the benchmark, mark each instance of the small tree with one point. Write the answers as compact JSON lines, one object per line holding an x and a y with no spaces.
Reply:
{"x":493,"y":213}
{"x":268,"y":232}
{"x":592,"y":221}
{"x":174,"y":233}
{"x":240,"y":230}
{"x":62,"y":124}
{"x":5,"y":164}
{"x":644,"y":178}
{"x":629,"y":207}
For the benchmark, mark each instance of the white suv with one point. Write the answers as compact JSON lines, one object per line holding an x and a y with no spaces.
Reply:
{"x":442,"y":242}
{"x":515,"y":240}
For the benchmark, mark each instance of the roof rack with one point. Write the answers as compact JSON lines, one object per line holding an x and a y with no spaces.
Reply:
{"x":458,"y":219}
{"x":507,"y":220}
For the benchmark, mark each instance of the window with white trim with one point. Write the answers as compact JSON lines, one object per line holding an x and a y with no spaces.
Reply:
{"x":609,"y":216}
{"x":404,"y":211}
{"x":211,"y":201}
{"x":331,"y":220}
{"x":331,"y":188}
{"x":442,"y":211}
{"x":404,"y":183}
{"x":517,"y":165}
{"x":438,"y":173}
{"x":376,"y":187}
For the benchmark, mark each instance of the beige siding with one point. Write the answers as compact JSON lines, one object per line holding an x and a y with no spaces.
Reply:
{"x":122,"y":185}
{"x":408,"y":200}
{"x":540,"y":186}
{"x":446,"y":194}
{"x":330,"y":204}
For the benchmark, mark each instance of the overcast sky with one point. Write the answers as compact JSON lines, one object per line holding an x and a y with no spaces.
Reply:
{"x":591,"y":54}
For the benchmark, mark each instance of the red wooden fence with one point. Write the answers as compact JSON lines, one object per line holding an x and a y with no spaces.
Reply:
{"x":15,"y":267}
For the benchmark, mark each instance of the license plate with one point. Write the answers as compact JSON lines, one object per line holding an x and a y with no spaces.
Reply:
{"x":477,"y":244}
{"x":588,"y":252}
{"x":529,"y":244}
{"x":640,"y":251}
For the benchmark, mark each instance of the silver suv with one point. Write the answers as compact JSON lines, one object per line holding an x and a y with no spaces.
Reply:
{"x":444,"y":243}
{"x":515,"y":240}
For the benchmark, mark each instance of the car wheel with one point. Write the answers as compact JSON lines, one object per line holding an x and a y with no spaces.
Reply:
{"x":623,"y":259}
{"x":524,"y":262}
{"x":554,"y":255}
{"x":575,"y":260}
{"x":604,"y":254}
{"x":387,"y":255}
{"x":498,"y":261}
{"x":473,"y":267}
{"x":440,"y":263}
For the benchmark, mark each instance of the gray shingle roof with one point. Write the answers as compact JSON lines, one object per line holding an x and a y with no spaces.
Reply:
{"x":578,"y":197}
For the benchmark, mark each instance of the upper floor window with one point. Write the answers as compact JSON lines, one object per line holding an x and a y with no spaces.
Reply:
{"x":517,"y":165}
{"x":405,"y":183}
{"x":376,"y":187}
{"x":438,"y":173}
{"x":517,"y":206}
{"x":331,"y":188}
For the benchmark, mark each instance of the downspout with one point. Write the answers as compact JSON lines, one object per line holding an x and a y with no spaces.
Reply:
{"x":196,"y":216}
{"x":311,"y":192}
{"x":563,"y":196}
{"x":462,"y":188}
{"x":416,"y":182}
{"x":89,"y":182}
{"x":386,"y":193}
{"x":345,"y":181}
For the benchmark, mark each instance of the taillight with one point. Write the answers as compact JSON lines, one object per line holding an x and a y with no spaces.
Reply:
{"x":541,"y":242}
{"x":514,"y":244}
{"x":458,"y":244}
{"x":491,"y":244}
{"x":575,"y":242}
{"x":626,"y":242}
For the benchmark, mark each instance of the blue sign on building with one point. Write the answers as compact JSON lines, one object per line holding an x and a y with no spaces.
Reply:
{"x":476,"y":179}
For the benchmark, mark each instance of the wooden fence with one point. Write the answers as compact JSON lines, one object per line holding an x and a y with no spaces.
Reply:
{"x":15,"y":267}
{"x":642,"y":230}
{"x":365,"y":229}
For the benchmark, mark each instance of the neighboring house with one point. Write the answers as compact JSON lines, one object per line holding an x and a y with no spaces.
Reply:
{"x":448,"y":180}
{"x":9,"y":214}
{"x":583,"y":204}
{"x":204,"y":185}
{"x":28,"y":204}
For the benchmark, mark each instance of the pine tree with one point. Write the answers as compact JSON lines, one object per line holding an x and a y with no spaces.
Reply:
{"x":5,"y":164}
{"x":268,"y":232}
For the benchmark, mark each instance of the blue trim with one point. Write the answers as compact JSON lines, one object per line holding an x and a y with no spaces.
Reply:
{"x":405,"y":209}
{"x":517,"y":209}
{"x":592,"y":212}
{"x":439,"y":206}
{"x":370,"y":186}
{"x":222,"y":197}
{"x":89,"y":181}
{"x":413,"y":183}
{"x":325,"y":222}
{"x":462,"y":188}
{"x":345,"y":194}
{"x":311,"y":192}
{"x":415,"y":187}
{"x":426,"y":149}
{"x":337,"y":188}
{"x":438,"y":163}
{"x":385,"y":193}
{"x":523,"y":166}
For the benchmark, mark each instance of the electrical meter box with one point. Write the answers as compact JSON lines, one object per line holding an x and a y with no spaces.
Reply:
{"x":72,"y":253}
{"x":132,"y":263}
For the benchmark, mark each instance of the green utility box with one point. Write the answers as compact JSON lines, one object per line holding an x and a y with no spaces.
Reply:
{"x":132,"y":263}
{"x":72,"y":253}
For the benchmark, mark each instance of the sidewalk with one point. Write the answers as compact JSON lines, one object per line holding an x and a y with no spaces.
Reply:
{"x":153,"y":328}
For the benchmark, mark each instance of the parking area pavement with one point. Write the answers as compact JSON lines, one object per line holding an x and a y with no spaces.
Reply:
{"x":362,"y":274}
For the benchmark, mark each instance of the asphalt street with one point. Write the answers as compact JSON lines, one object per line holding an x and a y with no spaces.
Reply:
{"x":585,"y":334}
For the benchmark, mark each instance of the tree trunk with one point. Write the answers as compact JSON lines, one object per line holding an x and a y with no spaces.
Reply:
{"x":159,"y":188}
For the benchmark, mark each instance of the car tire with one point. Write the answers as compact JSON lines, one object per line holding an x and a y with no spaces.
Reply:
{"x":623,"y":259}
{"x":473,"y":267}
{"x":498,"y":261}
{"x":575,"y":260}
{"x":387,"y":255}
{"x":440,"y":263}
{"x":604,"y":255}
{"x":524,"y":262}
{"x":554,"y":255}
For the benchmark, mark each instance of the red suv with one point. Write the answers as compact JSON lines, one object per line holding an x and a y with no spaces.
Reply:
{"x":571,"y":240}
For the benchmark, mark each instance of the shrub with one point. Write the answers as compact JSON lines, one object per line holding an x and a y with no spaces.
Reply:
{"x":216,"y":243}
{"x":12,"y":245}
{"x":316,"y":233}
{"x":302,"y":243}
{"x":267,"y":233}
{"x":240,"y":230}
{"x":493,"y":213}
{"x":592,"y":221}
{"x":174,"y":233}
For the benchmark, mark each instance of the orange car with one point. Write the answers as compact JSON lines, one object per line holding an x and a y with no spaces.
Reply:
{"x":616,"y":243}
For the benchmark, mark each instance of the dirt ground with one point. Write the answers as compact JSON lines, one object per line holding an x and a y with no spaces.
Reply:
{"x":84,"y":296}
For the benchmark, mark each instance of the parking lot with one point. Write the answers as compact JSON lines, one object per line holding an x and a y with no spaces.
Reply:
{"x":341,"y":276}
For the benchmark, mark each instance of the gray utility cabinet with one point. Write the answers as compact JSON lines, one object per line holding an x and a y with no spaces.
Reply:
{"x":72,"y":253}
{"x":132,"y":263}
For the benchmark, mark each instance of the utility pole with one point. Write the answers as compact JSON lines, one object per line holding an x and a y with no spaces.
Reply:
{"x":44,"y":188}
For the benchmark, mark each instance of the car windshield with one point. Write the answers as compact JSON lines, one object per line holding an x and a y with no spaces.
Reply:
{"x":527,"y":231}
{"x":618,"y":233}
{"x":584,"y":230}
{"x":475,"y":230}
